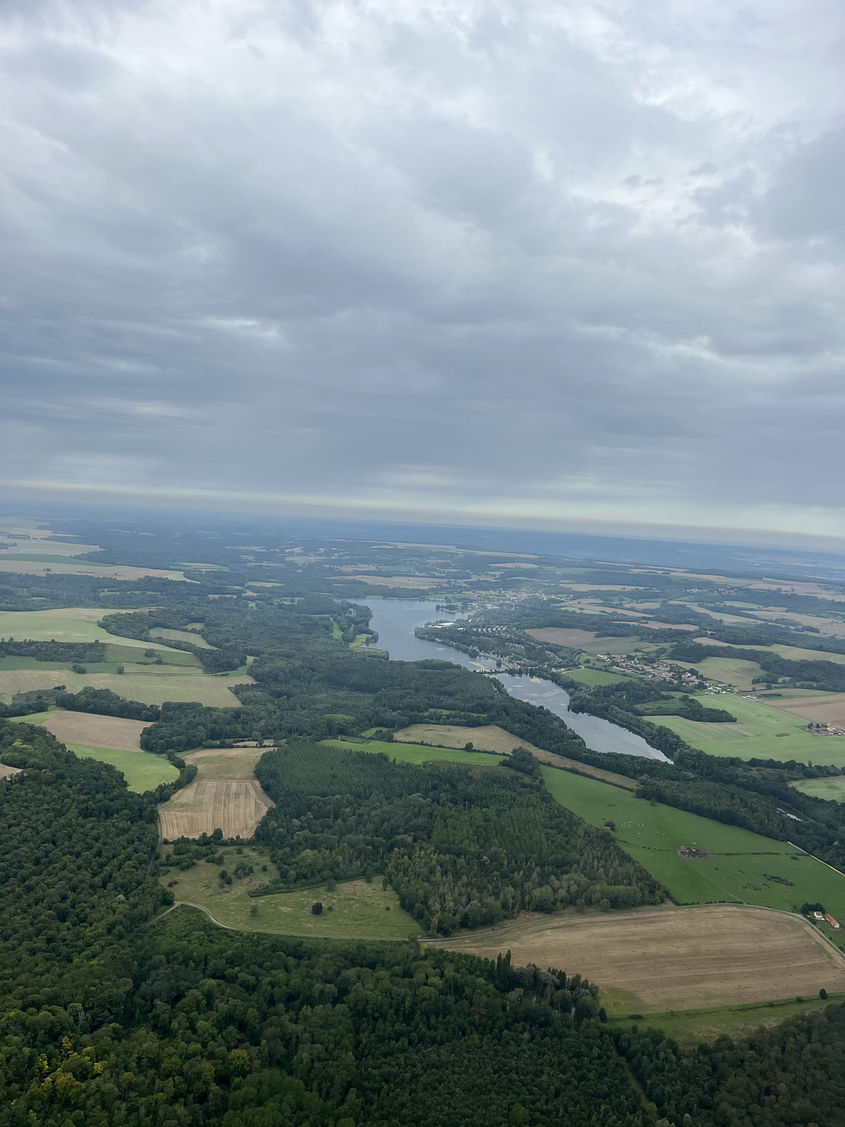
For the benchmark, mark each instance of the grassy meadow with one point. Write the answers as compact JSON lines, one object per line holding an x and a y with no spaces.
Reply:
{"x":65,"y":624}
{"x":141,"y":770}
{"x":351,"y":910}
{"x":741,"y":867}
{"x":418,"y":753}
{"x":148,"y":684}
{"x":761,"y":732}
{"x":689,"y":1027}
{"x":832,"y":789}
{"x":591,"y":677}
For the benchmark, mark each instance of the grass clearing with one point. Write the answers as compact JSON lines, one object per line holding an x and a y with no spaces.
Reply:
{"x":141,"y":770}
{"x":672,"y":958}
{"x":740,"y":866}
{"x":691,"y":1026}
{"x":763,"y":731}
{"x":351,"y":910}
{"x":189,"y":636}
{"x":832,"y":789}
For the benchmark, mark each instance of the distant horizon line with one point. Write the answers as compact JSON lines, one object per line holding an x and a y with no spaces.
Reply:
{"x":28,"y":498}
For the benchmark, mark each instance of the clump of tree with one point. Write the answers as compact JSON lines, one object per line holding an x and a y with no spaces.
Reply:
{"x":462,"y":847}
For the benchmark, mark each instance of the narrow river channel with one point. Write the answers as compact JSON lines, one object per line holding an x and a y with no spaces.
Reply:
{"x":395,"y":621}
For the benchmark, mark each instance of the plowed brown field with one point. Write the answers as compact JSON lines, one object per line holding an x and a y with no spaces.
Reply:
{"x":676,"y":958}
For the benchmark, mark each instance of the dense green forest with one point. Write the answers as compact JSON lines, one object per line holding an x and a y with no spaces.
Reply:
{"x":462,"y":847}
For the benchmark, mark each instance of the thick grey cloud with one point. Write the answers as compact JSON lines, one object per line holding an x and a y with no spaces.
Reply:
{"x":511,"y":260}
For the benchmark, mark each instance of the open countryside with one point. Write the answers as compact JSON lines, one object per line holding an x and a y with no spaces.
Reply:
{"x":65,"y":624}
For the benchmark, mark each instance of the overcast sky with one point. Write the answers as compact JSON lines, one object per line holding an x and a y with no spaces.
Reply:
{"x":483,"y":260}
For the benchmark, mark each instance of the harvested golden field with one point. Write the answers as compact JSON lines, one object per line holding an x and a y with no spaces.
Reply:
{"x":235,"y":806}
{"x":674,"y":958}
{"x":490,"y":737}
{"x":5,"y":771}
{"x":225,"y":795}
{"x":826,"y":709}
{"x":226,"y":762}
{"x":96,"y":731}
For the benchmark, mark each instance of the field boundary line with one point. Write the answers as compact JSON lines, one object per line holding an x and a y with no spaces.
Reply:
{"x":815,"y":858}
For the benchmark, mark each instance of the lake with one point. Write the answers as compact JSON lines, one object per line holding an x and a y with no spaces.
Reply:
{"x":395,"y":620}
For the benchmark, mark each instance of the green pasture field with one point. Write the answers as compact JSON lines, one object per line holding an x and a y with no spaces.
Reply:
{"x":35,"y":717}
{"x":351,"y":910}
{"x":122,"y":654}
{"x":688,"y":1027}
{"x":167,"y":635}
{"x":65,"y":624}
{"x":736,"y":672}
{"x":832,"y":789}
{"x":586,"y":676}
{"x":418,"y":753}
{"x":798,"y":653}
{"x":141,"y":770}
{"x":742,"y":867}
{"x":756,"y":732}
{"x":626,"y":644}
{"x":152,"y":684}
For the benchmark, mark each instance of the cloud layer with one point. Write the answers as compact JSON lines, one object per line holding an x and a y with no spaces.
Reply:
{"x":505,"y":259}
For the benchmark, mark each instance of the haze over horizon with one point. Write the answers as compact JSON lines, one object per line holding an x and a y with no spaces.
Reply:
{"x":485,"y":262}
